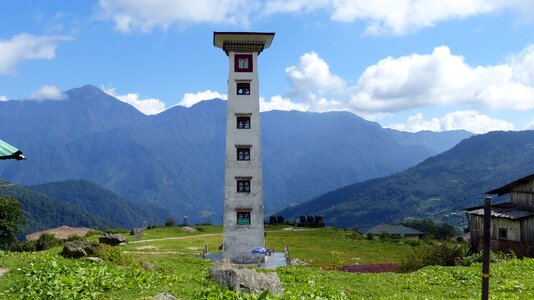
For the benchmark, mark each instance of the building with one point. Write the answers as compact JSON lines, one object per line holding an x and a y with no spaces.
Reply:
{"x":512,"y":223}
{"x":398,"y":231}
{"x":243,"y":192}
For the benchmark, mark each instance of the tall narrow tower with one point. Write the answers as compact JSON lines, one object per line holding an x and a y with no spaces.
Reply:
{"x":243,"y":189}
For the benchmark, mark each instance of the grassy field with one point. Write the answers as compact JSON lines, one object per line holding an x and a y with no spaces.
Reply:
{"x":46,"y":275}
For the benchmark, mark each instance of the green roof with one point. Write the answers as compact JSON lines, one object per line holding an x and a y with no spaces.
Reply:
{"x":394,"y":229}
{"x":9,"y":152}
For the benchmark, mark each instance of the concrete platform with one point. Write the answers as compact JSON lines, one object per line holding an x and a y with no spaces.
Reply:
{"x":271,"y":262}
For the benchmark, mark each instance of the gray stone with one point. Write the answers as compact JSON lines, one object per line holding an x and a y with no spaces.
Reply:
{"x":77,"y":249}
{"x":3,"y":271}
{"x":164,"y":296}
{"x":241,"y":279}
{"x":112,"y":239}
{"x":188,"y":229}
{"x":95,"y":259}
{"x":148,"y":266}
{"x":136,"y":232}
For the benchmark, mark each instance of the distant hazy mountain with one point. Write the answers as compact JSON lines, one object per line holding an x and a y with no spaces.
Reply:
{"x":436,"y":188}
{"x":103,"y":203}
{"x":176,"y":159}
{"x":435,"y":141}
{"x":44,"y":212}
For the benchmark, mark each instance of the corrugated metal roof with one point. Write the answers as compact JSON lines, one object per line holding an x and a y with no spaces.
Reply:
{"x":394,"y":229}
{"x":505,"y":210}
{"x":9,"y":152}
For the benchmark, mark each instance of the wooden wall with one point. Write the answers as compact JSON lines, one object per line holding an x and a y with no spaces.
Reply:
{"x":523,"y":195}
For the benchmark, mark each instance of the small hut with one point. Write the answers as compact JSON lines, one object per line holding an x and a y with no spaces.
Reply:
{"x":512,"y":223}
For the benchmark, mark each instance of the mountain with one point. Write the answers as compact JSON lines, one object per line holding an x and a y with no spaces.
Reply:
{"x":105,"y":204}
{"x":437,"y":188}
{"x":175,"y":159}
{"x":436,"y":141}
{"x":44,"y":212}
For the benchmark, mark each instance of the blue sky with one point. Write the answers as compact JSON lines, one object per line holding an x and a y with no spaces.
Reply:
{"x":407,"y":64}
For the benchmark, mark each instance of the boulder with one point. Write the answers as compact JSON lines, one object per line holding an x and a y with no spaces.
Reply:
{"x":136,"y":232}
{"x":241,"y":279}
{"x":95,"y":259}
{"x":164,"y":296}
{"x":188,"y":229}
{"x":77,"y":249}
{"x":112,"y":239}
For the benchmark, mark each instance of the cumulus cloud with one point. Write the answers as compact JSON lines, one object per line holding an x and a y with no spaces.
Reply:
{"x":401,"y":16}
{"x":23,"y":47}
{"x":191,"y":99}
{"x":47,"y":92}
{"x":469,"y":120}
{"x":530,"y":125}
{"x":3,"y":98}
{"x":146,"y":15}
{"x":280,"y":103}
{"x":148,"y":106}
{"x":441,"y":78}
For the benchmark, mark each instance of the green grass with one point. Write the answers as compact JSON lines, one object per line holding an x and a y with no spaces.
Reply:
{"x":46,"y":275}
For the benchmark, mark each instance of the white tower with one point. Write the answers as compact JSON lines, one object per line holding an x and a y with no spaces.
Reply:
{"x":243,"y":189}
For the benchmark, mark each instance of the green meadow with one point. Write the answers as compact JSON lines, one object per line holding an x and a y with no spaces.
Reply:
{"x":179,"y":270}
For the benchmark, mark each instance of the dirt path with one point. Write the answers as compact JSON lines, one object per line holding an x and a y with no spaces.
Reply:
{"x":210,"y":234}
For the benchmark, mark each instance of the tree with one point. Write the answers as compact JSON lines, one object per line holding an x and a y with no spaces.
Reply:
{"x":11,"y":220}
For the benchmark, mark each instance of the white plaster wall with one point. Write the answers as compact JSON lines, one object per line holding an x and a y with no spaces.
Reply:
{"x":239,"y":240}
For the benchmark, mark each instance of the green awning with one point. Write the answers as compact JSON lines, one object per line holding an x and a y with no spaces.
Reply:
{"x":9,"y":152}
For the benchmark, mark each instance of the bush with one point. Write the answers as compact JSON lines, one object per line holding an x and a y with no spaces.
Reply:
{"x":169,"y":223}
{"x":369,"y":236}
{"x":442,"y":254}
{"x":47,"y":241}
{"x":336,"y":259}
{"x":495,"y":257}
{"x":113,"y":254}
{"x":384,"y":236}
{"x":150,"y":226}
{"x":29,"y":246}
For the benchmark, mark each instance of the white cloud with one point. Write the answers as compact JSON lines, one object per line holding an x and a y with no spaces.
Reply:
{"x":191,"y":99}
{"x":530,"y":125}
{"x":400,"y":16}
{"x":471,"y":121}
{"x":47,"y":92}
{"x":441,"y":78}
{"x":148,"y":106}
{"x":25,"y":47}
{"x":3,"y":98}
{"x":281,"y":103}
{"x":146,"y":15}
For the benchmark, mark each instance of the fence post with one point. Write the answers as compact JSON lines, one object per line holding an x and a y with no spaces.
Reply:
{"x":486,"y":250}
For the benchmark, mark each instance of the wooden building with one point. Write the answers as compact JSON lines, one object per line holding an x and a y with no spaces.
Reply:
{"x":512,"y":223}
{"x":397,"y":231}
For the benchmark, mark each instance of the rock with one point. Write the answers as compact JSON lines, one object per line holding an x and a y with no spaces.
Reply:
{"x":136,"y":232}
{"x":188,"y":229}
{"x":3,"y":271}
{"x":148,"y":266}
{"x":77,"y":249}
{"x":241,"y":279}
{"x":112,"y":239}
{"x":164,"y":296}
{"x":147,"y":248}
{"x":95,"y":259}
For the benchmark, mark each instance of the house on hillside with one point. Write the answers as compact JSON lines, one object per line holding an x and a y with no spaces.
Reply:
{"x":398,"y":231}
{"x":512,"y":223}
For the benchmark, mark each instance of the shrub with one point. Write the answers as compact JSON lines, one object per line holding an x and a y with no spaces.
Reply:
{"x":384,"y":236}
{"x":336,"y":259}
{"x":11,"y":220}
{"x":150,"y":226}
{"x":369,"y":236}
{"x":495,"y":257}
{"x":169,"y":223}
{"x":442,"y":254}
{"x":29,"y":246}
{"x":113,"y":254}
{"x":47,"y":241}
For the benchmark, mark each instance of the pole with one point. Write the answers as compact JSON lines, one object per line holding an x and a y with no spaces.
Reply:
{"x":486,"y":250}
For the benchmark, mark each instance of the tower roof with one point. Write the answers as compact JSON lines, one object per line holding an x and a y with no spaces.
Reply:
{"x":242,"y":41}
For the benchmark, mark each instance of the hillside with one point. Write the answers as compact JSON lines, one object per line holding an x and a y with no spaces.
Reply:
{"x":44,"y":212}
{"x":436,"y":141}
{"x":437,"y":188}
{"x":105,"y":204}
{"x":176,"y":159}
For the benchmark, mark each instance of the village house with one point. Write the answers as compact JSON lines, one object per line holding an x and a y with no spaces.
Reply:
{"x":512,"y":223}
{"x":398,"y":231}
